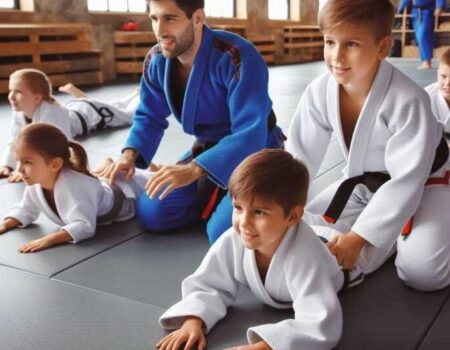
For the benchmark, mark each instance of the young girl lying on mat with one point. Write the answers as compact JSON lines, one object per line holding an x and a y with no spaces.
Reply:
{"x":60,"y":186}
{"x":30,"y":96}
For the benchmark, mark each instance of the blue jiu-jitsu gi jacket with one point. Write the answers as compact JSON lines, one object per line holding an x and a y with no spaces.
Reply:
{"x":226,"y":101}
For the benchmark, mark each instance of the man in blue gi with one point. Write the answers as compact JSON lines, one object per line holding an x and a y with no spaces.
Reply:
{"x":423,"y":22}
{"x":215,"y":83}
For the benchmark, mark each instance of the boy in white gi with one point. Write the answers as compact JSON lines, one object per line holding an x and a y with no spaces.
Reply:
{"x":270,"y":250}
{"x":440,"y":92}
{"x":60,"y":186}
{"x":392,"y":143}
{"x":31,"y":100}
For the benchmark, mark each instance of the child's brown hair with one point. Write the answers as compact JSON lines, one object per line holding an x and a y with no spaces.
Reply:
{"x":50,"y":142}
{"x":378,"y":14}
{"x":445,"y":57}
{"x":273,"y":175}
{"x":37,"y":81}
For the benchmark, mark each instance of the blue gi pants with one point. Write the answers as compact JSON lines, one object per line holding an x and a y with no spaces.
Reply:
{"x":181,"y":207}
{"x":423,"y":22}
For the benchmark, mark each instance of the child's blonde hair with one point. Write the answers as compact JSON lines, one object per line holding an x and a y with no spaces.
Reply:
{"x":445,"y":57}
{"x":377,"y":14}
{"x":37,"y":81}
{"x":50,"y":142}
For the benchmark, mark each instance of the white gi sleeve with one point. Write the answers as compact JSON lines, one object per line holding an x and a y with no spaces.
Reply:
{"x":213,"y":287}
{"x":28,"y":210}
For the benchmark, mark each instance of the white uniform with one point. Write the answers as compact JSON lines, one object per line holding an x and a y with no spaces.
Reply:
{"x":80,"y":199}
{"x":439,"y":105}
{"x":46,"y":112}
{"x":114,"y":114}
{"x":396,"y":134}
{"x":302,"y":275}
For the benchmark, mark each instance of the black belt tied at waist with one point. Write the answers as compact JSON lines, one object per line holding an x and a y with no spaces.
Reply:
{"x":119,"y":198}
{"x":209,"y":193}
{"x":373,"y":181}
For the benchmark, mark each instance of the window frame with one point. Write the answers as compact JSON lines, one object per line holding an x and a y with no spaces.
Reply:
{"x":114,"y":12}
{"x":16,"y":6}
{"x":234,"y":15}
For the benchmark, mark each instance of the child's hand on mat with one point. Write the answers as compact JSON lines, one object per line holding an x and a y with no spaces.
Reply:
{"x":190,"y":333}
{"x":346,"y":248}
{"x":5,"y":171}
{"x":170,"y":177}
{"x":45,"y":242}
{"x":8,"y":224}
{"x":262,"y":345}
{"x":15,"y":177}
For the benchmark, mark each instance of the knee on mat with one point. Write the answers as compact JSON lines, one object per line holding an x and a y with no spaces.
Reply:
{"x":423,"y":276}
{"x":151,"y":215}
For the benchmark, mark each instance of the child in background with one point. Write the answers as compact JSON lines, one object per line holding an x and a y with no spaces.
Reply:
{"x":30,"y":97}
{"x":60,"y":186}
{"x":383,"y":121}
{"x":270,"y":250}
{"x":440,"y":92}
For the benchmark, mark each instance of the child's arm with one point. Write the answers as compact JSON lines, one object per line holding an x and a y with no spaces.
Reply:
{"x":190,"y":333}
{"x":8,"y":224}
{"x":262,"y":345}
{"x":346,"y":248}
{"x":45,"y":242}
{"x":5,"y":171}
{"x":15,"y":177}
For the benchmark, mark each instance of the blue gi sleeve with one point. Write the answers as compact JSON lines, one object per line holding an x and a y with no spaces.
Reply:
{"x":150,"y":118}
{"x":403,"y":4}
{"x":441,"y":4}
{"x":245,"y":75}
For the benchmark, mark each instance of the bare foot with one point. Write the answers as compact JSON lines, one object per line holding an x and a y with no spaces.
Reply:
{"x":103,"y":168}
{"x":425,"y":65}
{"x":72,"y":90}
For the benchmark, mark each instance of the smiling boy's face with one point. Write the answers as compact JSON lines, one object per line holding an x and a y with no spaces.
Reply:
{"x":443,"y":78}
{"x":352,"y":53}
{"x":262,"y":224}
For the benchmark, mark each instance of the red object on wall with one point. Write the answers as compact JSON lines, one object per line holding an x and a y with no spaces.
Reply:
{"x":130,"y":26}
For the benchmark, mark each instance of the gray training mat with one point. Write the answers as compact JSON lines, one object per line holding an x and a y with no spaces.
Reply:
{"x":39,"y":313}
{"x":383,"y":313}
{"x":438,"y":336}
{"x":58,"y":258}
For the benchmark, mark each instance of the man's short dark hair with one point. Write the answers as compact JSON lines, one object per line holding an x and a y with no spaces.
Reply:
{"x":188,"y":6}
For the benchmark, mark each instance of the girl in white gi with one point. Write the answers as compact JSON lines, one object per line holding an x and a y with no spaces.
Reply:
{"x":440,"y":92}
{"x":273,"y":252}
{"x":386,"y":130}
{"x":30,"y":97}
{"x":60,"y":186}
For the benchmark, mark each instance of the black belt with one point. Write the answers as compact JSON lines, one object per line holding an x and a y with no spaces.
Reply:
{"x":373,"y":181}
{"x":119,"y":198}
{"x":106,"y":115}
{"x":84,"y":126}
{"x":208,"y":192}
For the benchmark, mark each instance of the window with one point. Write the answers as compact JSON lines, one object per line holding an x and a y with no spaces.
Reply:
{"x":278,"y":9}
{"x":117,"y":5}
{"x":8,"y":4}
{"x":224,"y":8}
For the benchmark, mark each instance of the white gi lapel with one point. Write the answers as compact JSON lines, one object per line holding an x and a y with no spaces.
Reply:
{"x":333,"y":114}
{"x":364,"y":126}
{"x":274,"y":275}
{"x":46,"y":207}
